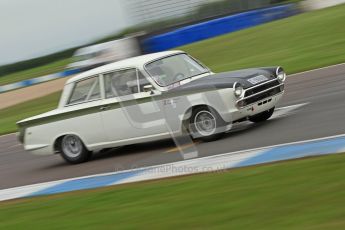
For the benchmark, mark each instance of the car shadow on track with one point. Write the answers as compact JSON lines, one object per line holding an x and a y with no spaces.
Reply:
{"x":134,"y":149}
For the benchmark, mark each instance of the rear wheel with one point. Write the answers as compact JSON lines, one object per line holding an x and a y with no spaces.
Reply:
{"x":73,"y":150}
{"x":261,"y":117}
{"x":205,"y":124}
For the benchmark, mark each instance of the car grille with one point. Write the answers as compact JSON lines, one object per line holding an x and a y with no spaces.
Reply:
{"x":260,"y":88}
{"x":260,"y":92}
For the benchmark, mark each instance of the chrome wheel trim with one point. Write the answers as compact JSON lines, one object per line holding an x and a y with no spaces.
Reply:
{"x":205,"y":123}
{"x":72,"y":146}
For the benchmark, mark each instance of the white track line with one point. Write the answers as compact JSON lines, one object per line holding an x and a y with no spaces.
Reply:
{"x":293,"y":106}
{"x":9,"y":134}
{"x":287,"y":110}
{"x":321,"y":68}
{"x":187,"y":161}
{"x":218,"y":162}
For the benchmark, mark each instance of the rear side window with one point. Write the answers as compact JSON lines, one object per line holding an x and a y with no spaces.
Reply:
{"x":85,"y":90}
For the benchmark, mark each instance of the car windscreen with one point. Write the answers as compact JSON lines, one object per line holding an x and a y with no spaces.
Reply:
{"x":173,"y":69}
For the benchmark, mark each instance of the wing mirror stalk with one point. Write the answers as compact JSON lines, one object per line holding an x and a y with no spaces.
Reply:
{"x":149,"y":88}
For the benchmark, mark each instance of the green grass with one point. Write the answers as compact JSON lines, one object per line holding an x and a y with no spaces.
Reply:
{"x":9,"y":116}
{"x":35,"y":72}
{"x":301,"y":194}
{"x":298,"y":43}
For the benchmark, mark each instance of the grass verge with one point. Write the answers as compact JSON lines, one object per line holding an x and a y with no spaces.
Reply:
{"x":9,"y":116}
{"x":298,"y":43}
{"x":301,"y":194}
{"x":34,"y":72}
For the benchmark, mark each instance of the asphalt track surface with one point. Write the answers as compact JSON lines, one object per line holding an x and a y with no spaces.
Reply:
{"x":324,"y":115}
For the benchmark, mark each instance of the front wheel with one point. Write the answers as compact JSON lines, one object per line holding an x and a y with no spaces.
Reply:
{"x":261,"y":117}
{"x":73,"y":150}
{"x":205,"y":124}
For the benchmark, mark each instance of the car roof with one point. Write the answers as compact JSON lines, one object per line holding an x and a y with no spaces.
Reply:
{"x":138,"y":62}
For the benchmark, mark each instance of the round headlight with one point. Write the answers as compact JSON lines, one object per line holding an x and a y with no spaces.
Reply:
{"x":281,"y":75}
{"x":238,"y":90}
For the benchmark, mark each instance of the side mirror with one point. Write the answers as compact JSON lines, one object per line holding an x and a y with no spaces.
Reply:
{"x":148,"y":88}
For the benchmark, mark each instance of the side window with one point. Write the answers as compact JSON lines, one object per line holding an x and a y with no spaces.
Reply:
{"x":124,"y":82}
{"x":85,"y":90}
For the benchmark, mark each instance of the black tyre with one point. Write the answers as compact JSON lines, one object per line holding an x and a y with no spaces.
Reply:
{"x":73,"y":150}
{"x":206,"y":124}
{"x":261,"y":117}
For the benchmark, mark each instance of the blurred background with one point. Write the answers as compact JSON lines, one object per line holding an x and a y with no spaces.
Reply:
{"x":46,"y":27}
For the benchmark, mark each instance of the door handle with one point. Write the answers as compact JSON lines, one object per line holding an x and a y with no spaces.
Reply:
{"x":105,"y":107}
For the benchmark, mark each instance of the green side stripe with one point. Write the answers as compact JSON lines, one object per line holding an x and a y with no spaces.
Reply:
{"x":114,"y":105}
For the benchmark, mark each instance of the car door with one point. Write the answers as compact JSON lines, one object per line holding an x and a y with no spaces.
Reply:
{"x":130,"y":113}
{"x":82,"y":111}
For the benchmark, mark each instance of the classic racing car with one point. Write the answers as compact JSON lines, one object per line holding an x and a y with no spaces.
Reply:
{"x":147,"y":98}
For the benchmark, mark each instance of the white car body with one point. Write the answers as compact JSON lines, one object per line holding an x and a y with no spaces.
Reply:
{"x":154,"y":112}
